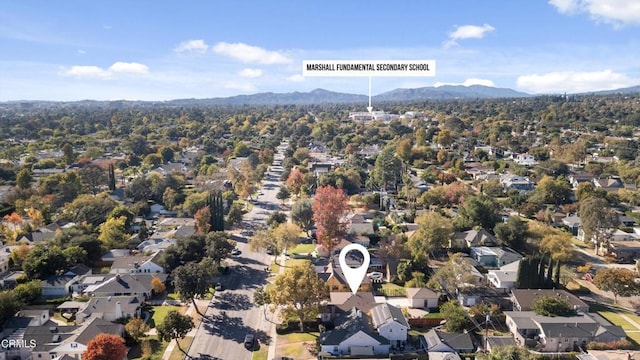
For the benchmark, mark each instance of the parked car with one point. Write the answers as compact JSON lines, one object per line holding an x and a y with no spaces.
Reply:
{"x":219,"y":287}
{"x":236,"y":252}
{"x":250,"y":342}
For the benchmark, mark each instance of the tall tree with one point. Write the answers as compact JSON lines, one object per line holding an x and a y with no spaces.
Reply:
{"x":202,"y":220}
{"x":558,"y":246}
{"x":218,"y":246}
{"x":387,"y":169}
{"x":283,"y":194}
{"x":68,"y":155}
{"x":298,"y":291}
{"x":479,"y":210}
{"x":329,"y":206}
{"x":278,"y":238}
{"x":106,"y":347}
{"x":175,"y":326}
{"x":295,"y":180}
{"x":24,"y":179}
{"x":302,"y":214}
{"x":512,"y":233}
{"x":113,"y":232}
{"x":136,"y":328}
{"x":112,"y":177}
{"x":192,"y":281}
{"x":598,"y":220}
{"x":216,"y":205}
{"x":434,"y":232}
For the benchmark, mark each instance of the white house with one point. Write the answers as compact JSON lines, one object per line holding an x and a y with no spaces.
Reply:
{"x":525,"y":160}
{"x":390,"y":323}
{"x":502,"y":280}
{"x":139,"y":264}
{"x":353,"y":335}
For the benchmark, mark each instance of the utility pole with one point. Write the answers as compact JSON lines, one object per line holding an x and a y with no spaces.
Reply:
{"x":486,"y":331}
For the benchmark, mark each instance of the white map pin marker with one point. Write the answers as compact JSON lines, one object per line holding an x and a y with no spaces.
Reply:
{"x":354,"y":276}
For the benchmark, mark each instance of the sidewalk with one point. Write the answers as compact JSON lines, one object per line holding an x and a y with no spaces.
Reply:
{"x":271,"y":354}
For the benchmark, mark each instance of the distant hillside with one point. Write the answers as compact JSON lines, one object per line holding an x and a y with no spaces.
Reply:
{"x":627,"y":90}
{"x":449,"y":92}
{"x":317,"y":96}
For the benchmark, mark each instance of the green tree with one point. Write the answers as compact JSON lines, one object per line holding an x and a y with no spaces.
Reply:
{"x":113,"y":233}
{"x":598,"y":220}
{"x":302,"y":214}
{"x":278,"y":238}
{"x":24,"y":179}
{"x":28,"y":292}
{"x":112,"y":177}
{"x":283,"y":194}
{"x":235,"y":214}
{"x":43,"y":261}
{"x":175,"y":326}
{"x":512,"y":233}
{"x":621,"y":282}
{"x":261,"y":298}
{"x":193,"y":280}
{"x":552,"y":306}
{"x":68,"y":155}
{"x":387,"y":169}
{"x":10,"y":304}
{"x":298,"y":291}
{"x":559,"y":246}
{"x":479,"y":210}
{"x":434,"y":232}
{"x":218,"y":246}
{"x":457,"y":318}
{"x":455,"y":273}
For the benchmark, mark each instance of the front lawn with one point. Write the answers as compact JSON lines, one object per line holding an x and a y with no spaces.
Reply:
{"x":302,"y":249}
{"x":261,"y":354}
{"x":160,"y":312}
{"x":390,"y":289}
{"x":294,"y":262}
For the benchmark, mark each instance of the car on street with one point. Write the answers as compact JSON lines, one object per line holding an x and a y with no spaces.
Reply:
{"x":376,"y":275}
{"x":250,"y":342}
{"x":219,"y":287}
{"x":236,"y":252}
{"x":269,"y":251}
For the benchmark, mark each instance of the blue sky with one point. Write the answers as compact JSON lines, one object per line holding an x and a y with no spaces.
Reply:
{"x":161,"y":50}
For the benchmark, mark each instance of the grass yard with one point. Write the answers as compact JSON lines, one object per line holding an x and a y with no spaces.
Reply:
{"x":294,"y":262}
{"x":297,"y":337}
{"x":614,"y":316}
{"x":302,"y":249}
{"x":261,"y":354}
{"x":579,"y":243}
{"x":160,"y":312}
{"x":390,"y":289}
{"x":275,"y":268}
{"x":185,"y":343}
{"x":157,"y":348}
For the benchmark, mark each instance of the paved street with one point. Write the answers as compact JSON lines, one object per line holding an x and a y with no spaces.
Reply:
{"x":231,"y":313}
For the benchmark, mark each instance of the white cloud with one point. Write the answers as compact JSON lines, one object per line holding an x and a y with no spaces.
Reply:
{"x":81,"y":52}
{"x":251,"y":73}
{"x":82,"y":71}
{"x":616,"y":12}
{"x":295,"y":78}
{"x":250,"y":54}
{"x":469,"y":82}
{"x":468,"y":32}
{"x":246,"y":87}
{"x":129,"y":68}
{"x":574,"y":82}
{"x":192,"y":46}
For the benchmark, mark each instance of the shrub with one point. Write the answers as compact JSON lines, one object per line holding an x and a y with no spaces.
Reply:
{"x":612,"y":345}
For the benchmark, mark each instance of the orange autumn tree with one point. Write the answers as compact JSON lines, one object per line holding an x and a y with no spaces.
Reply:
{"x":106,"y":347}
{"x":329,"y":206}
{"x":295,"y":181}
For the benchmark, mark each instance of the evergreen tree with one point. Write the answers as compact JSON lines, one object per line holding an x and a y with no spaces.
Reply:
{"x":112,"y":178}
{"x":215,"y":203}
{"x":557,"y":273}
{"x":541,"y":274}
{"x":549,"y":282}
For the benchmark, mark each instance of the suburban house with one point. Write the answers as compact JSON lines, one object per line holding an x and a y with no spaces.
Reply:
{"x":135,"y":264}
{"x":572,"y":222}
{"x":521,"y":184}
{"x":358,"y":224}
{"x":56,"y":342}
{"x":435,"y":341}
{"x":109,"y":308}
{"x":523,"y":299}
{"x":64,"y":285}
{"x":494,"y":257}
{"x":470,"y":238}
{"x":36,"y":237}
{"x":341,"y":302}
{"x":503,"y":280}
{"x":335,"y":280}
{"x":353,"y":335}
{"x":5,"y":254}
{"x":422,"y":298}
{"x":125,"y":284}
{"x":624,"y":251}
{"x":577,"y":179}
{"x":612,"y":183}
{"x":390,"y":323}
{"x":560,"y":333}
{"x":525,"y":160}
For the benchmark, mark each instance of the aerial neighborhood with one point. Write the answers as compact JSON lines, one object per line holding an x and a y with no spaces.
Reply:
{"x":504,"y":228}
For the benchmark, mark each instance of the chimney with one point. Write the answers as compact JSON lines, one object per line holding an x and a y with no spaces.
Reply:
{"x":118,"y":310}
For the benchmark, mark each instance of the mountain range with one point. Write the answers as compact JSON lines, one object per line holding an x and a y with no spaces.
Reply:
{"x":321,"y":96}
